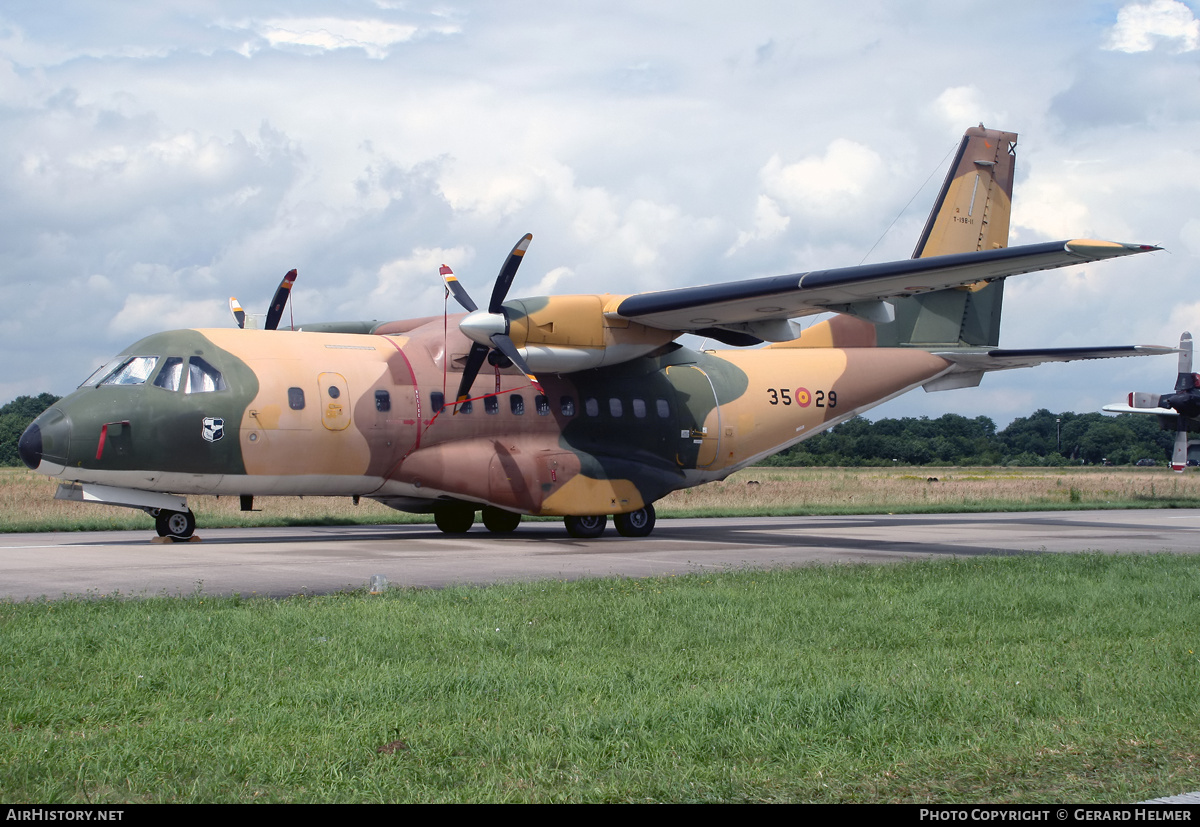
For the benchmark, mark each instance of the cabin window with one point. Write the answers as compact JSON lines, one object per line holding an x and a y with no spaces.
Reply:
{"x":542,"y":405}
{"x":383,"y":401}
{"x":591,"y":407}
{"x":664,"y":410}
{"x":516,"y":404}
{"x":296,"y":399}
{"x":491,"y":405}
{"x":203,"y":377}
{"x":614,"y":407}
{"x":133,"y":371}
{"x":639,"y":408}
{"x":567,"y":405}
{"x":171,"y":374}
{"x":437,"y":401}
{"x":466,"y":407}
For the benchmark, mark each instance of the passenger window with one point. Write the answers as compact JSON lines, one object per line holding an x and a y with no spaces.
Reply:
{"x":133,"y":371}
{"x":466,"y":407}
{"x":437,"y":399}
{"x":591,"y":407}
{"x":296,"y":399}
{"x":567,"y":405}
{"x":516,"y":404}
{"x":664,"y":410}
{"x":171,"y":373}
{"x":614,"y":406}
{"x":203,"y":377}
{"x":542,"y":404}
{"x":491,"y":405}
{"x":383,"y":401}
{"x":639,"y":408}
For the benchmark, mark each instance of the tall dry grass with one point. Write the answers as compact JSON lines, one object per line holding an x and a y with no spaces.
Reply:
{"x":27,"y":499}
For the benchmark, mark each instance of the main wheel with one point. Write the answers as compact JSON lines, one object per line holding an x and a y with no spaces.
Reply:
{"x":636,"y":523}
{"x":454,"y":519}
{"x":178,"y":524}
{"x":585,"y":528}
{"x":499,"y":521}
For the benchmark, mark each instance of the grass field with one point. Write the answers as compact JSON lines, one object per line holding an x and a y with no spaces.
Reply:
{"x":1044,"y":678}
{"x":1047,"y":678}
{"x":27,"y":500}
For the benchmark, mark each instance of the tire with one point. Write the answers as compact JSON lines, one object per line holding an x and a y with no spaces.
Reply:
{"x":499,"y":521}
{"x":178,"y":524}
{"x":454,"y":519}
{"x":636,"y":523}
{"x":586,"y":528}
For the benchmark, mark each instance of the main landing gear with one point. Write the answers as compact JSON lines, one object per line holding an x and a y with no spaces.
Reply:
{"x":457,"y":518}
{"x":633,"y":524}
{"x":178,"y":525}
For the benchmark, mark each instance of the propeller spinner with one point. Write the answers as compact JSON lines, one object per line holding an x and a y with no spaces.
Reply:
{"x":488,"y":329}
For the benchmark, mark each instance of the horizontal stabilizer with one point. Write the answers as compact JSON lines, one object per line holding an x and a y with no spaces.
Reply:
{"x":1122,"y":408}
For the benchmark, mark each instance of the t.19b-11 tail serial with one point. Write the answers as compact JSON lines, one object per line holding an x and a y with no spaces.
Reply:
{"x":580,"y":406}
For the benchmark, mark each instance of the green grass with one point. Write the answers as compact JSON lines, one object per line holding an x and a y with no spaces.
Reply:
{"x":1031,"y":679}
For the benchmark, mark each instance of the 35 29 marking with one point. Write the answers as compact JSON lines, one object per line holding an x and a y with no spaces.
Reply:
{"x":802,"y":397}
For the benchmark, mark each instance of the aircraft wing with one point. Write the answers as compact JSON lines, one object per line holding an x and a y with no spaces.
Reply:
{"x":859,"y":290}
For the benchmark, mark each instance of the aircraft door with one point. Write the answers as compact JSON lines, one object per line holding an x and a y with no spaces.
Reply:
{"x":335,"y":401}
{"x":697,"y":416}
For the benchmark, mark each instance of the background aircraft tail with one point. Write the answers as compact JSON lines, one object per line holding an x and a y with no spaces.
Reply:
{"x":971,"y":213}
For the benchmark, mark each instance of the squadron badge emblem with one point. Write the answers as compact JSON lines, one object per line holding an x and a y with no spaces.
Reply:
{"x":213,"y":428}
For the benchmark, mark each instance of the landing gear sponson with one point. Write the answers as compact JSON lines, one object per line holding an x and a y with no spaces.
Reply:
{"x":459,"y":517}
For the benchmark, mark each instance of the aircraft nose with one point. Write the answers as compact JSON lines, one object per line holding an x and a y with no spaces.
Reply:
{"x":29,"y":446}
{"x":45,"y":443}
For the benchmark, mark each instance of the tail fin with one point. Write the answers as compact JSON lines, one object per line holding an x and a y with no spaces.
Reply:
{"x":971,"y":213}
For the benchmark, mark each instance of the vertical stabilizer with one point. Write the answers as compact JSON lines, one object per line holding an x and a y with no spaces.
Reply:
{"x":971,"y":213}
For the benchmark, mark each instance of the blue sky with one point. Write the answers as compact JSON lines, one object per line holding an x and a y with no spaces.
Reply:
{"x":157,"y":158}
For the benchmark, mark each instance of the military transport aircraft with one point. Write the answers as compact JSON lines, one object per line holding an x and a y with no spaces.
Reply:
{"x":1178,"y":411}
{"x":575,"y":406}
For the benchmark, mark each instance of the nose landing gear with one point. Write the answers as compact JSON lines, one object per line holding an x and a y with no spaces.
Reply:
{"x":178,"y":525}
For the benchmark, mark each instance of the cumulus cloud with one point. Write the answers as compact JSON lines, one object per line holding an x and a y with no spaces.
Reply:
{"x":769,"y":222}
{"x":375,"y":37}
{"x":831,"y":183}
{"x":1142,"y":27}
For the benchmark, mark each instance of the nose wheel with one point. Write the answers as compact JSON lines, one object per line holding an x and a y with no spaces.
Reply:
{"x":179,"y":525}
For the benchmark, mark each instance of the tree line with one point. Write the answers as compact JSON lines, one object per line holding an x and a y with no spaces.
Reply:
{"x":1042,"y":438}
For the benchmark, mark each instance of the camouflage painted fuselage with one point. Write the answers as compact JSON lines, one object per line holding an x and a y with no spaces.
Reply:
{"x":305,"y":413}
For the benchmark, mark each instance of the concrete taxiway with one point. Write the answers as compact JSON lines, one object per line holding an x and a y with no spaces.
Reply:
{"x":284,"y":561}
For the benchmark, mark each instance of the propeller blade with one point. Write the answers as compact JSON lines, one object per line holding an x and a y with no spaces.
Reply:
{"x":457,"y":290}
{"x":507,"y":273}
{"x":1179,"y":455}
{"x":280,"y":301}
{"x":470,"y":371}
{"x":1186,"y":380}
{"x":505,"y":345}
{"x":239,"y":315}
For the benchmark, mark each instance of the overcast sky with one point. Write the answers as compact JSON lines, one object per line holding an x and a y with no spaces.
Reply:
{"x":156,"y":158}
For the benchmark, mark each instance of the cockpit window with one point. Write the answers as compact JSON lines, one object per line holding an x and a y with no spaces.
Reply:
{"x":133,"y":371}
{"x":99,"y":373}
{"x":171,"y":373}
{"x":203,"y":377}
